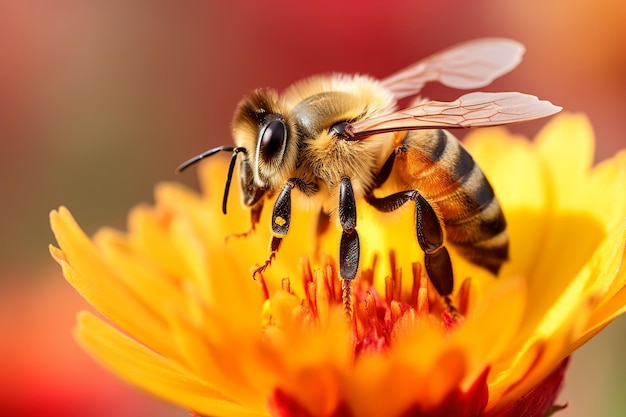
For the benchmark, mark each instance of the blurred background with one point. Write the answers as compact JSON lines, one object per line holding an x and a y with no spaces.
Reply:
{"x":101,"y":99}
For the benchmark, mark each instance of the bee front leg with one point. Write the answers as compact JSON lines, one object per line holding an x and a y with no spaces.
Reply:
{"x":281,"y":219}
{"x":430,"y":237}
{"x":255,"y":216}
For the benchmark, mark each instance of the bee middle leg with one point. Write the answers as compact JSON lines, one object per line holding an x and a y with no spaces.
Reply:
{"x":349,"y":248}
{"x":430,"y":237}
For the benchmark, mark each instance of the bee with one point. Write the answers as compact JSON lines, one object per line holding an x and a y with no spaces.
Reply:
{"x":331,"y":141}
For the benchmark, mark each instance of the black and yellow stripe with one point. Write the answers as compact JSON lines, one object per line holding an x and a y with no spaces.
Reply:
{"x":437,"y":165}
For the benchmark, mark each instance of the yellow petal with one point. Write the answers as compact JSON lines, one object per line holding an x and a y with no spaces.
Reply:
{"x":515,"y":171}
{"x":603,"y":194}
{"x":607,"y":289}
{"x":150,"y":236}
{"x":490,"y":327}
{"x":572,"y":233}
{"x":208,"y":354}
{"x":101,"y":286}
{"x":209,"y":261}
{"x":158,"y":375}
{"x":566,"y":145}
{"x":151,"y":285}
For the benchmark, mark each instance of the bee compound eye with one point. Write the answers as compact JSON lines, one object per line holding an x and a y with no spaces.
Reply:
{"x":272,"y":140}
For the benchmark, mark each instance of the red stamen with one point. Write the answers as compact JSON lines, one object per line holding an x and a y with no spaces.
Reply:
{"x":285,"y":285}
{"x":371,"y":315}
{"x":423,"y":305}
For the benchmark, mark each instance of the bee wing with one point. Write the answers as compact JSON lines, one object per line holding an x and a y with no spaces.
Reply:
{"x":471,"y":110}
{"x":469,"y":65}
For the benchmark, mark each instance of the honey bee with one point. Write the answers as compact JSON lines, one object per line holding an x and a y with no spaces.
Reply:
{"x":336,"y":139}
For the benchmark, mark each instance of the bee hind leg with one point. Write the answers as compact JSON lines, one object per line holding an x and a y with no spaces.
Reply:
{"x":430,"y":237}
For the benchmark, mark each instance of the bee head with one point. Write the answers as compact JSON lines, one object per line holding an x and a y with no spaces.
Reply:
{"x":266,"y":131}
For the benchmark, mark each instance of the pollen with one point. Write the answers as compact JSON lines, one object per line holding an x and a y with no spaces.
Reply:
{"x":280,"y":221}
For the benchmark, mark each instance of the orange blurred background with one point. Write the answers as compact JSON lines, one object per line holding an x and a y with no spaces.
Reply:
{"x":101,"y":99}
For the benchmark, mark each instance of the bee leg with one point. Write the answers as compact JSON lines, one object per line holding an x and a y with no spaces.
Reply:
{"x":430,"y":237}
{"x":281,"y":216}
{"x":386,"y":169}
{"x":281,"y":219}
{"x":349,"y":248}
{"x":255,"y":216}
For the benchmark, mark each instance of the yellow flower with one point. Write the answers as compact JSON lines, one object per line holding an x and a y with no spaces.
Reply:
{"x":184,"y":320}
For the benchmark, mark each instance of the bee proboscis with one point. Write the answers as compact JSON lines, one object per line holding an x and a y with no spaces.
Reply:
{"x":338,"y":138}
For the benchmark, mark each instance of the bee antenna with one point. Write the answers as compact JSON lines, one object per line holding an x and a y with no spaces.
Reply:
{"x":203,"y":155}
{"x":231,"y":169}
{"x":211,"y":152}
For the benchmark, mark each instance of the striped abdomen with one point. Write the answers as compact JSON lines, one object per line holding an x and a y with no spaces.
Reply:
{"x":434,"y":163}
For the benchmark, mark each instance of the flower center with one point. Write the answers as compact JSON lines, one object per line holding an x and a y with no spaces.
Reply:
{"x":372,"y":313}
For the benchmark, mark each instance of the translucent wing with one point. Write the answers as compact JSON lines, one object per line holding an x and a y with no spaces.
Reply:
{"x":471,"y":110}
{"x":469,"y":65}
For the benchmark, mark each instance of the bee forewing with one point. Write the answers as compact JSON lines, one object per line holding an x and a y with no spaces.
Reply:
{"x":471,"y":110}
{"x":469,"y":65}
